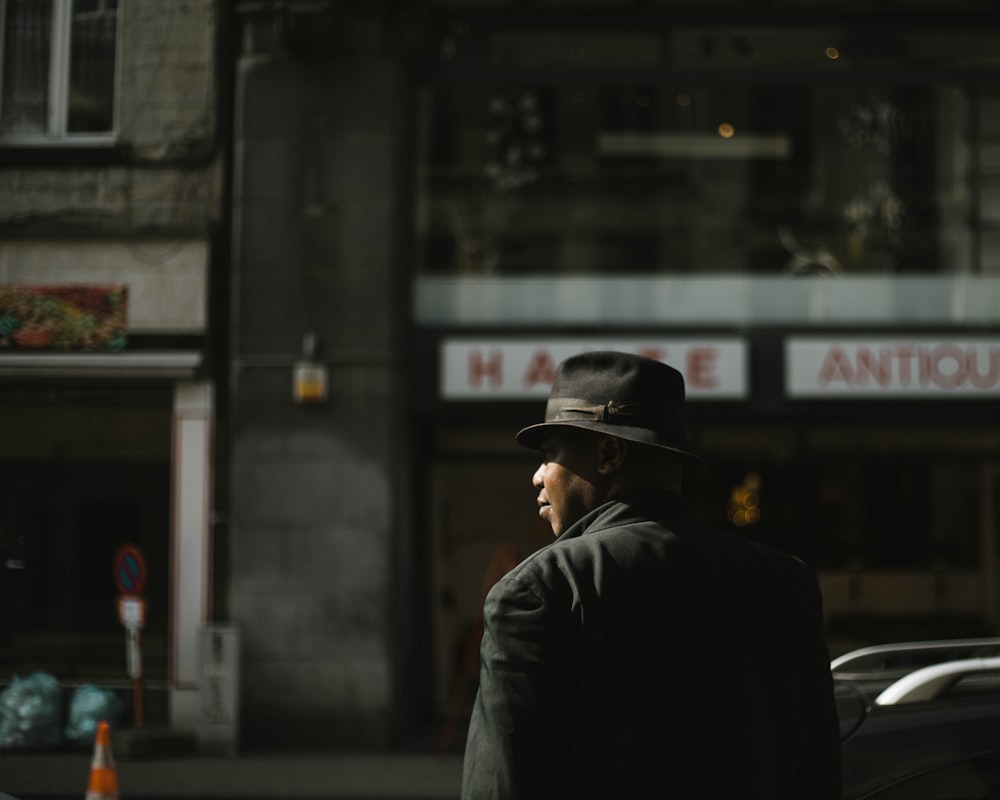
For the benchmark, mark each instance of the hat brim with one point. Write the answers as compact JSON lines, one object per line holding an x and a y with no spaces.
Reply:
{"x":531,"y":437}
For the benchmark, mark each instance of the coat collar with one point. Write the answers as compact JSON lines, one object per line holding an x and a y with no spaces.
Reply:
{"x":629,"y":509}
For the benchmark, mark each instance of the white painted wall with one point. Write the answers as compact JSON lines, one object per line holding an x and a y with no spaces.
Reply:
{"x":167,"y":280}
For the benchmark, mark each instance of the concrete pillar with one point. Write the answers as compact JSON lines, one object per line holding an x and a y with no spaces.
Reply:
{"x":190,"y":547}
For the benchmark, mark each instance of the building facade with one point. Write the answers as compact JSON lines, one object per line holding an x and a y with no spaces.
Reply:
{"x":356,"y":238}
{"x":112,"y":164}
{"x":796,"y":207}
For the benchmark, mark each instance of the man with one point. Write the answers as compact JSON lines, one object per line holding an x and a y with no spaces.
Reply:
{"x":642,"y":654}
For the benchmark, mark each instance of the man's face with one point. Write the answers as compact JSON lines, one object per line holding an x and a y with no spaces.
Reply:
{"x":565,"y":478}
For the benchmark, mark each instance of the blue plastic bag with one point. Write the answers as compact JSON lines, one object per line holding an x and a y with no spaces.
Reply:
{"x":31,"y":713}
{"x":87,"y":707}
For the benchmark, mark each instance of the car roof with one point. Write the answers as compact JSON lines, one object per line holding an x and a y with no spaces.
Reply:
{"x":931,"y":682}
{"x":881,"y":657}
{"x":872,"y":669}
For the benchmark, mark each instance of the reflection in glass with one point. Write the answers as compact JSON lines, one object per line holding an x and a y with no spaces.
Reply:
{"x":27,"y":26}
{"x":563,"y":178}
{"x":92,"y":66}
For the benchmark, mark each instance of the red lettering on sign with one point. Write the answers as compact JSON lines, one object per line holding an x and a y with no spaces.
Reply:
{"x":653,"y":352}
{"x":945,"y":366}
{"x":490,"y":367}
{"x":699,"y":370}
{"x":541,"y":369}
{"x":990,"y":378}
{"x":836,"y":367}
{"x":877,"y":367}
{"x":953,"y":376}
{"x":904,"y":355}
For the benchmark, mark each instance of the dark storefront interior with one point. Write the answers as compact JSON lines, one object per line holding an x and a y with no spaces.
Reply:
{"x":82,"y":479}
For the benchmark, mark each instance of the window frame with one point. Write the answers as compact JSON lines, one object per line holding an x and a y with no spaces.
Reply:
{"x":56,"y":133}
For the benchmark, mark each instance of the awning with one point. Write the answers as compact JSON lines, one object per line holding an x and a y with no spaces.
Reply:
{"x":175,"y":365}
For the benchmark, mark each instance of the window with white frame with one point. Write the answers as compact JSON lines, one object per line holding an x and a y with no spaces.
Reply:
{"x":58,"y":69}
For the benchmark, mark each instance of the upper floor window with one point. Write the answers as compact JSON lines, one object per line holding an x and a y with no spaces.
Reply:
{"x":728,"y":150}
{"x":58,"y":69}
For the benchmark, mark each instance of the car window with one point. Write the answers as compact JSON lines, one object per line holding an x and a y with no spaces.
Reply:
{"x":971,"y":779}
{"x":977,"y":683}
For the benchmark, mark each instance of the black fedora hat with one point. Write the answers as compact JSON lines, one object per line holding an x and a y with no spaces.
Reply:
{"x":632,"y":397}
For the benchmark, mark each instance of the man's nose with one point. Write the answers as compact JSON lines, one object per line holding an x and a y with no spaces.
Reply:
{"x":536,"y":479}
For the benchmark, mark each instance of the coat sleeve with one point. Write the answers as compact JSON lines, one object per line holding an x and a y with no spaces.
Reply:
{"x":519,"y":734}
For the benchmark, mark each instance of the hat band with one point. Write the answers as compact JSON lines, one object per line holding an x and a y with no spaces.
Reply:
{"x":565,"y":409}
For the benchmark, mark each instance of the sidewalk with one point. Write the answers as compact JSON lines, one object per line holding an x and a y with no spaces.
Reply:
{"x":331,"y":777}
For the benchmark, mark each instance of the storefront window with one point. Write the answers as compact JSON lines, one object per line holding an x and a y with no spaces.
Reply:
{"x":704,"y":152}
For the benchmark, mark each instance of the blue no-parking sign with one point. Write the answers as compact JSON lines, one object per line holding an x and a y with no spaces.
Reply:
{"x":130,"y":570}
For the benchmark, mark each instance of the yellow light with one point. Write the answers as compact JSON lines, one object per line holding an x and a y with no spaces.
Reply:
{"x":726,"y":131}
{"x":832,"y":53}
{"x":309,"y":384}
{"x":744,"y":501}
{"x":309,"y":375}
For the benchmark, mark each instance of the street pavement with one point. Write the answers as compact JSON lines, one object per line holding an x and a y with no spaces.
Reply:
{"x":338,"y":776}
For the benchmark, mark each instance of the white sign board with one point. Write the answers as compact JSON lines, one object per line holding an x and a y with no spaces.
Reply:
{"x":489,"y":369}
{"x":132,"y":611}
{"x":874,"y":367}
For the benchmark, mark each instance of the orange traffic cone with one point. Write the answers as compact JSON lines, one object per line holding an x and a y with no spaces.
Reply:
{"x":103,"y":783}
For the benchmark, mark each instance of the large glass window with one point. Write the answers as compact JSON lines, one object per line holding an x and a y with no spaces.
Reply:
{"x":715,"y":151}
{"x":58,"y":68}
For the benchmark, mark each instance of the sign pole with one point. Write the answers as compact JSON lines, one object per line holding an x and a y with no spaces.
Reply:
{"x":137,"y":694}
{"x":130,"y":577}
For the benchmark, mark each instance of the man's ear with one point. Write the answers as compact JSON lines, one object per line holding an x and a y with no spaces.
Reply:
{"x":611,"y":453}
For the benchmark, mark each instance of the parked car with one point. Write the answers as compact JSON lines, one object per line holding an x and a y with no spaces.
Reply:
{"x":930,"y":733}
{"x":872,"y":669}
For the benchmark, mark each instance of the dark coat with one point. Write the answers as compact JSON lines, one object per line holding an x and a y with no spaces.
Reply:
{"x":642,"y":655}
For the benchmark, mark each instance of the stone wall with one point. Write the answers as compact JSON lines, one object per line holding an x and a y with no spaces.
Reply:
{"x":160,"y":174}
{"x":314,"y":487}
